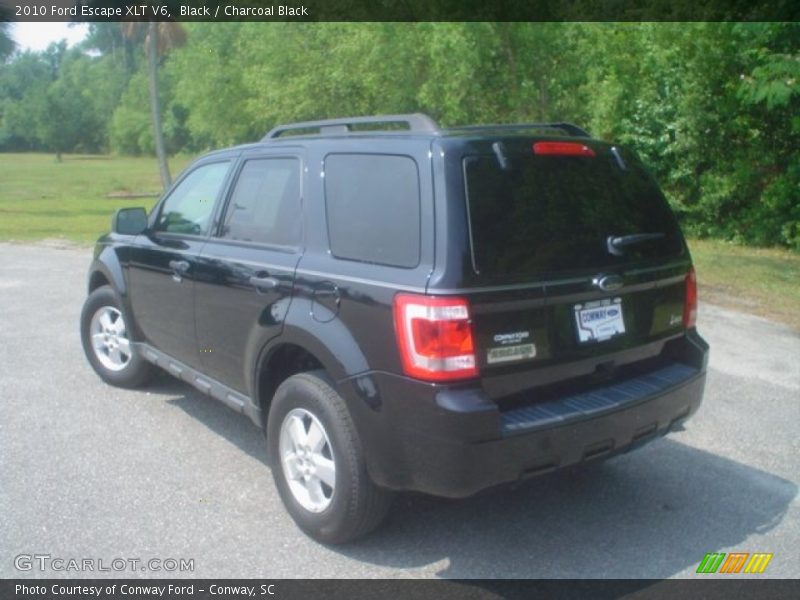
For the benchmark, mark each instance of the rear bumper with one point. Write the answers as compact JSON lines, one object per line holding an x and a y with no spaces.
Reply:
{"x":455,"y":442}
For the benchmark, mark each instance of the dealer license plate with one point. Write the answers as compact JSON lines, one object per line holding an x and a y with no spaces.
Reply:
{"x":599,"y":320}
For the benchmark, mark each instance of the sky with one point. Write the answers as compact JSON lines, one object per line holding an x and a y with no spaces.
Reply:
{"x":37,"y":36}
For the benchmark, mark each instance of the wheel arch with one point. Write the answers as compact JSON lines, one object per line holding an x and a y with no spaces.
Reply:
{"x":328,"y":346}
{"x":97,"y":279}
{"x":107,"y":270}
{"x":276,"y":364}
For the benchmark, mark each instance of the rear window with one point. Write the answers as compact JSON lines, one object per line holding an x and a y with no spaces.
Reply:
{"x":373,"y":207}
{"x":555,"y":213}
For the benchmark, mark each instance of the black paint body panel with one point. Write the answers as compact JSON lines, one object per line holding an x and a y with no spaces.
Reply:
{"x":444,"y":439}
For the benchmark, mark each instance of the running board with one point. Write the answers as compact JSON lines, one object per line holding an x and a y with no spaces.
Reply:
{"x":229,"y":397}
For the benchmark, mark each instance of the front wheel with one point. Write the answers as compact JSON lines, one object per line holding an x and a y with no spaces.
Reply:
{"x":318,"y":462}
{"x":107,"y":343}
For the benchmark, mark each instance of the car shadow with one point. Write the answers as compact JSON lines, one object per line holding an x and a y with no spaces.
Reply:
{"x":651,"y":513}
{"x":234,"y":427}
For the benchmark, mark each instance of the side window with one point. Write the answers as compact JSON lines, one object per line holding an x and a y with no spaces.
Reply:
{"x":373,"y":207}
{"x":265,"y":203}
{"x":189,"y":207}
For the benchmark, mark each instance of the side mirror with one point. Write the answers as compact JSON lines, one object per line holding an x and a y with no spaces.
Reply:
{"x":129,"y":221}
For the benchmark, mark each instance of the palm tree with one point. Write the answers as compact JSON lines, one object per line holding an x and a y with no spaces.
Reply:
{"x":159,"y":38}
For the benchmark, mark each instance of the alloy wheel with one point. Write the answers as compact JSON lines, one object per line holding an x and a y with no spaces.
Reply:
{"x":307,"y":460}
{"x":109,"y":338}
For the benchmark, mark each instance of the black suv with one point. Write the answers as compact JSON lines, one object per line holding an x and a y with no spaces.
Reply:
{"x":404,"y":307}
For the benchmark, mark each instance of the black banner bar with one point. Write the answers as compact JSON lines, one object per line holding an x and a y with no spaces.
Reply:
{"x":731,"y":588}
{"x":407,"y":10}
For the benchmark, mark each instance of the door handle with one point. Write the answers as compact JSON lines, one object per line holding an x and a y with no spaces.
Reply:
{"x":179,"y":266}
{"x":264,"y":283}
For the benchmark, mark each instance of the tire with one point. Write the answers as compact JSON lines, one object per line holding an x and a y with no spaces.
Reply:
{"x":105,"y":335}
{"x":353,"y":505}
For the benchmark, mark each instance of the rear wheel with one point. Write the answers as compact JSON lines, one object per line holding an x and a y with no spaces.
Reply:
{"x":105,"y":335}
{"x":318,"y":462}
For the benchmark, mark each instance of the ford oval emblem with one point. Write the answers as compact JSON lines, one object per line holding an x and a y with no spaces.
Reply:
{"x":608,"y":283}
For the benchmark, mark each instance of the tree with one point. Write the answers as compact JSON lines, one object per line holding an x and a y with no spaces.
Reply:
{"x":712,"y":108}
{"x":218,"y":53}
{"x":6,"y":41}
{"x":22,"y":81}
{"x":159,"y":38}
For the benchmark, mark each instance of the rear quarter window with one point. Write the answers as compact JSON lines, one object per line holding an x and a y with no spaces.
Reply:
{"x":372,"y":203}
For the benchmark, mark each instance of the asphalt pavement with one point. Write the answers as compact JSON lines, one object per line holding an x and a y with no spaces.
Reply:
{"x":88,"y":471}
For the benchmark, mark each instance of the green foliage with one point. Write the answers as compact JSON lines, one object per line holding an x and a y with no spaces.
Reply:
{"x":217,"y":116}
{"x":59,"y":100}
{"x":22,"y":82}
{"x":6,"y":41}
{"x":775,"y":75}
{"x":131,"y":127}
{"x":712,"y":108}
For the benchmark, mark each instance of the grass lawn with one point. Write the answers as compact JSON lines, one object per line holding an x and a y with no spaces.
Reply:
{"x":764,"y":281}
{"x":42,"y":199}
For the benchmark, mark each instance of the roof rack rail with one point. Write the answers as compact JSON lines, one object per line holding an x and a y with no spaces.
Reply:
{"x":569,"y":128}
{"x":415,"y":122}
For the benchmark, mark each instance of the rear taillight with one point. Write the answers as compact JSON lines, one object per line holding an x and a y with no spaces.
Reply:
{"x":434,"y":335}
{"x":690,"y":300}
{"x":562,"y":149}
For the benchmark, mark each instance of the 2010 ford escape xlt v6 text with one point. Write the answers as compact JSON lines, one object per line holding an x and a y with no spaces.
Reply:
{"x":404,"y":307}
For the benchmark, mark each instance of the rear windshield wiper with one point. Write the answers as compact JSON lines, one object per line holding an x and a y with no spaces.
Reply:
{"x":616,"y":244}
